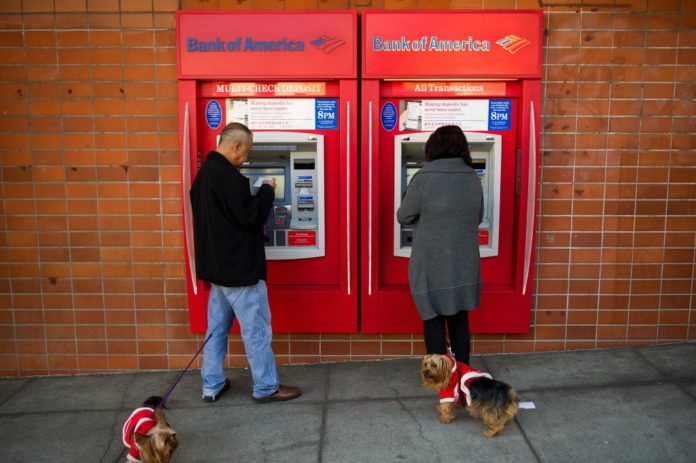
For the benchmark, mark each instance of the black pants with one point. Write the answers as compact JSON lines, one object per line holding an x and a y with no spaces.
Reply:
{"x":458,"y":327}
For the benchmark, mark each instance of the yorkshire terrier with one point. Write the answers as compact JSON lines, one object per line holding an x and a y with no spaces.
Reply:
{"x":147,"y":434}
{"x":457,"y":383}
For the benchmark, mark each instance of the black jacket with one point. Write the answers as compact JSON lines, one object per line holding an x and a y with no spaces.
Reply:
{"x":228,"y":224}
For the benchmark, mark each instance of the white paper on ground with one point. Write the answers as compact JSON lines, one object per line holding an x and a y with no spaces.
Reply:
{"x":527,"y":405}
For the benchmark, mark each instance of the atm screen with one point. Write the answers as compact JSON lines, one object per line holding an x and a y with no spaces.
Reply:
{"x":304,"y":164}
{"x":256,"y":173}
{"x":410,"y":172}
{"x":479,"y":166}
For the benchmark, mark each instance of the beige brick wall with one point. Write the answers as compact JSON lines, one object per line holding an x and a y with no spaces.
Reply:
{"x":91,"y":258}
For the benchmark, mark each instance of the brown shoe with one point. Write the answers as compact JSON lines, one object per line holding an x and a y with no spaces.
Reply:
{"x":282,"y":394}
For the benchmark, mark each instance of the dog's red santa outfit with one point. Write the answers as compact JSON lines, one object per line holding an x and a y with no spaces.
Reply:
{"x":140,"y":421}
{"x":461,"y":374}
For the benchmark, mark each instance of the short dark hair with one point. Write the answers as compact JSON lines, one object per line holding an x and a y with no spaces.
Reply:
{"x":235,"y":132}
{"x":448,"y":141}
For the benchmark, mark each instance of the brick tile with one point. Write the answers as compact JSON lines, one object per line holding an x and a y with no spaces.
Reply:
{"x":611,"y":332}
{"x":629,"y":21}
{"x":624,"y":38}
{"x":675,"y":301}
{"x":301,"y":4}
{"x":136,"y":5}
{"x":672,"y":332}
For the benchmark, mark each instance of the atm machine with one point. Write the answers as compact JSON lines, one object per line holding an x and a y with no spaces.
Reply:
{"x":420,"y":71}
{"x":485,"y":149}
{"x":291,"y":77}
{"x":295,"y":227}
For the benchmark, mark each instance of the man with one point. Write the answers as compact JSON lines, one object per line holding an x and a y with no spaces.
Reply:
{"x":228,"y":230}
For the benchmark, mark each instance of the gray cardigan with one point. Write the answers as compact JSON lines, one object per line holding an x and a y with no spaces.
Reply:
{"x":444,"y":202}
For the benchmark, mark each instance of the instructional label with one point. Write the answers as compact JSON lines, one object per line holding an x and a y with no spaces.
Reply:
{"x":388,"y":116}
{"x":469,"y":114}
{"x":499,"y":112}
{"x":326,"y":114}
{"x":483,"y":237}
{"x":284,"y":113}
{"x":213,"y":114}
{"x":302,"y":238}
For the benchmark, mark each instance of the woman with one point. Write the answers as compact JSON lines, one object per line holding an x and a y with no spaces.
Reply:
{"x":444,"y":203}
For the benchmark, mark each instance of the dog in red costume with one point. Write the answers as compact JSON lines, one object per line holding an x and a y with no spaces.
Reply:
{"x":148,"y":436}
{"x":495,"y":402}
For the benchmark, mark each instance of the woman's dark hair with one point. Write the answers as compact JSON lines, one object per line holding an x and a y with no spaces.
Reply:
{"x":448,"y":142}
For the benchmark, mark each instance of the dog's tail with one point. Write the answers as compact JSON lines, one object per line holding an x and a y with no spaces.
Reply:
{"x":497,"y":394}
{"x":153,"y":401}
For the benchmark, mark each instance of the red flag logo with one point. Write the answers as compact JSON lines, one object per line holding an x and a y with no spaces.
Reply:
{"x":513,"y":43}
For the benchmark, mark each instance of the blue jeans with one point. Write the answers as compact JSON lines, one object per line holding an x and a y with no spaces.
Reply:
{"x":250,"y":305}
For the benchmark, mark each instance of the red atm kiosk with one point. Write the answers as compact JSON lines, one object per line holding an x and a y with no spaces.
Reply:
{"x":480,"y":70}
{"x":291,"y":78}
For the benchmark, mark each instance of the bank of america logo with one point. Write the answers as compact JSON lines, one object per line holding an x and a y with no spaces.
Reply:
{"x":327,"y":44}
{"x":513,"y":43}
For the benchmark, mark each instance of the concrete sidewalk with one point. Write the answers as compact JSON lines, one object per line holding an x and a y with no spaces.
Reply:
{"x":616,"y":405}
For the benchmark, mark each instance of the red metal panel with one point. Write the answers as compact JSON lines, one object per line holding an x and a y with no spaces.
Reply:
{"x":197,"y":294}
{"x":307,"y":295}
{"x":262,"y":45}
{"x":370,"y":314}
{"x":471,"y":44}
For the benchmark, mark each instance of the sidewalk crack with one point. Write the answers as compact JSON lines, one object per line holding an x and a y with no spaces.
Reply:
{"x":324,"y":411}
{"x":116,"y":427}
{"x":421,"y":434}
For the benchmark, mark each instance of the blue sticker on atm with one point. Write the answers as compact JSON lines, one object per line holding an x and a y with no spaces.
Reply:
{"x":213,"y":114}
{"x":326,"y":113}
{"x":388,"y":116}
{"x":499,"y":114}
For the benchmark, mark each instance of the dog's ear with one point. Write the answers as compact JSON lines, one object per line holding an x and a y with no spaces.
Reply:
{"x":444,"y":366}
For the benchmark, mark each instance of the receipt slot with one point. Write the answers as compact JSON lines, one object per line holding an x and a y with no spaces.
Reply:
{"x":291,"y":77}
{"x":486,"y":154}
{"x":295,"y":227}
{"x":420,"y":72}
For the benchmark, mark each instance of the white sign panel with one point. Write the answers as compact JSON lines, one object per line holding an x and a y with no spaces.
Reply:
{"x":273,"y":113}
{"x":467,"y":114}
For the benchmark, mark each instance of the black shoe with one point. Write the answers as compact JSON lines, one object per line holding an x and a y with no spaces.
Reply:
{"x":214,"y":398}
